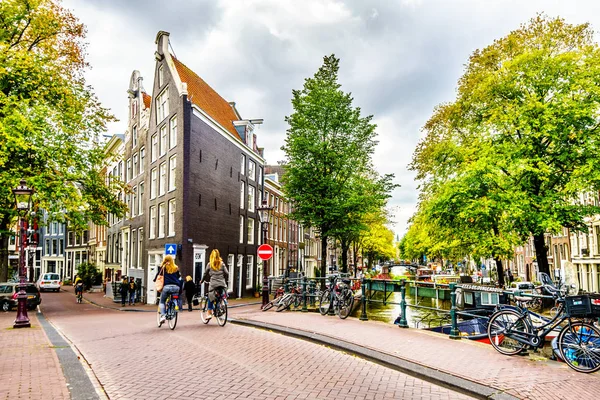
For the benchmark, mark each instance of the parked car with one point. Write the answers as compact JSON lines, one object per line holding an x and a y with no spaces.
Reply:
{"x":49,"y":281}
{"x":8,"y":295}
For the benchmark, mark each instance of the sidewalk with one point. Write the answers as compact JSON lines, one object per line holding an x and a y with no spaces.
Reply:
{"x":473,"y":367}
{"x":29,"y":366}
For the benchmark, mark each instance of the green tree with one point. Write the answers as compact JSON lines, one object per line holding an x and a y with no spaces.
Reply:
{"x":527,"y":107}
{"x":328,"y":157}
{"x":377,"y":243}
{"x":89,"y":274}
{"x":49,"y":119}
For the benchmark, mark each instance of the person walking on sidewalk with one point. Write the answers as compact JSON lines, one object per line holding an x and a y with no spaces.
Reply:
{"x":217,"y":275}
{"x":124,"y":290}
{"x":190,"y":291}
{"x":132,"y":288}
{"x":172,"y":282}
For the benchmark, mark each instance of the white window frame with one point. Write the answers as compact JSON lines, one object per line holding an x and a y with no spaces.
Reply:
{"x":163,"y":140}
{"x":161,"y":220}
{"x":242,"y":229}
{"x":153,"y":183}
{"x":134,"y":202}
{"x":154,"y":148}
{"x":242,"y":197}
{"x":252,"y":170}
{"x":172,"y":171}
{"x":134,"y":135}
{"x":152,"y":229}
{"x":250,"y":230}
{"x":173,"y":132}
{"x":243,"y":165}
{"x":162,"y":105}
{"x":128,"y":173}
{"x":249,"y":270}
{"x":141,"y":188}
{"x":162,"y":179}
{"x":231,"y":268}
{"x":161,"y":76}
{"x":259,"y":175}
{"x":251,"y":198}
{"x":172,"y":209}
{"x":142,"y":159}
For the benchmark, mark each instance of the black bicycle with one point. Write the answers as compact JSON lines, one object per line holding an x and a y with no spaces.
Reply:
{"x":511,"y":331}
{"x":338,"y":296}
{"x":171,"y":311}
{"x":219,"y":308}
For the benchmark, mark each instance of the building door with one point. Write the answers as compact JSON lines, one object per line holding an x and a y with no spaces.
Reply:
{"x":240,"y":268}
{"x":154,"y":260}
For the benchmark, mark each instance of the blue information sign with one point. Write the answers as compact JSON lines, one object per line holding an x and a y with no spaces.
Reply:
{"x":170,"y":249}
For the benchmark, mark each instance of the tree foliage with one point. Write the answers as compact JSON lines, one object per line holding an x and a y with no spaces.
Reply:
{"x":329,"y":177}
{"x":49,"y":119}
{"x":509,"y":157}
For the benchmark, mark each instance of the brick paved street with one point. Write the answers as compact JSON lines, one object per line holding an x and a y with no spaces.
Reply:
{"x":523,"y":377}
{"x":133,"y":359}
{"x":29,"y":367}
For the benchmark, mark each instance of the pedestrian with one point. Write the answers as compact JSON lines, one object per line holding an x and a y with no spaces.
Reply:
{"x":190,"y":290}
{"x":132,"y":288}
{"x":172,"y":283}
{"x":511,"y":278}
{"x":124,"y":290}
{"x":217,"y":275}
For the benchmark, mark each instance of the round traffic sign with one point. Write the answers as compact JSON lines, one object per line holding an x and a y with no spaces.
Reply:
{"x":265,"y":251}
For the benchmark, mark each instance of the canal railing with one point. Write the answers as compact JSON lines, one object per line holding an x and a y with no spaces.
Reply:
{"x":369,"y":287}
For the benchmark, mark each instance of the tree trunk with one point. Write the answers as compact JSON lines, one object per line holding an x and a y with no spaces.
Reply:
{"x":500,"y":270}
{"x":323,"y":260}
{"x":4,"y":236}
{"x":355,"y":258}
{"x":345,"y":247}
{"x":541,"y":254}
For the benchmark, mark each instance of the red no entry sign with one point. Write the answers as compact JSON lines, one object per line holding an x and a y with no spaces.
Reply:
{"x":265,"y":251}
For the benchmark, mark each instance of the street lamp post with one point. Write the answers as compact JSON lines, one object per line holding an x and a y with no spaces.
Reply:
{"x":263,"y":214}
{"x":22,"y":195}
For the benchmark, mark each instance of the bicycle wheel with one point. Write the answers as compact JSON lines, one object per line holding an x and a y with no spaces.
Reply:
{"x":285,"y":303}
{"x":325,"y":302}
{"x":204,"y":310}
{"x":272,"y":303}
{"x":158,"y":323}
{"x":172,"y":313}
{"x":345,"y":304}
{"x":499,"y":323}
{"x":221,"y":312}
{"x":579,"y":345}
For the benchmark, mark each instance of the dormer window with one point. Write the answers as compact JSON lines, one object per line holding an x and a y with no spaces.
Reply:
{"x":162,"y":105}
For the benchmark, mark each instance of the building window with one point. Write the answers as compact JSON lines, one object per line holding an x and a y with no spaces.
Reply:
{"x":259,"y":180}
{"x":128,"y":171}
{"x":251,"y":198}
{"x":230,"y":266}
{"x":252,"y":170}
{"x":142,"y":159}
{"x":141,"y":198}
{"x":250,"y":231}
{"x":172,"y":217}
{"x":154,"y":148}
{"x":243,"y":165}
{"x":135,"y":165}
{"x":249,"y":274}
{"x":173,"y":132}
{"x":161,"y":76}
{"x":241,"y":229}
{"x":162,"y":179}
{"x":153,"y":183}
{"x":163,"y":140}
{"x":161,"y":220}
{"x":172,"y":166}
{"x":140,"y":246}
{"x":152,"y":222}
{"x":242,"y":199}
{"x":134,"y":202}
{"x":134,"y":135}
{"x":162,"y":106}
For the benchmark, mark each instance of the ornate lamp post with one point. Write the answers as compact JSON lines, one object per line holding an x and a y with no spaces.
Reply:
{"x":263,"y":215}
{"x":22,"y":195}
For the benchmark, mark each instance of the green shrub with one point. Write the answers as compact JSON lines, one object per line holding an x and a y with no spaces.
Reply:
{"x":89,"y":274}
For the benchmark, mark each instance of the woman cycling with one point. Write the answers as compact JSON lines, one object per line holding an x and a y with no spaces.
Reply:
{"x":172,"y":283}
{"x":217,"y":275}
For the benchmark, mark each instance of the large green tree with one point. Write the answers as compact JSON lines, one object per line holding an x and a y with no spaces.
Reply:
{"x":49,"y":119}
{"x":329,"y":175}
{"x":528,"y":106}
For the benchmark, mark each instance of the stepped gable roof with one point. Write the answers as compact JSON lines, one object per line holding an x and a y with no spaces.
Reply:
{"x":147,"y":99}
{"x":205,"y":97}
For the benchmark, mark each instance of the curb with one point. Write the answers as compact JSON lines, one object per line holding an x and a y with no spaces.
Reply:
{"x":412,"y":368}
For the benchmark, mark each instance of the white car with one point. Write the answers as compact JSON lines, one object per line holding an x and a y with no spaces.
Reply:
{"x":49,"y":281}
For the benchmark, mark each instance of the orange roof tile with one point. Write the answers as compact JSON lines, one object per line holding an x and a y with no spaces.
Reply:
{"x":205,"y":97}
{"x":147,"y":99}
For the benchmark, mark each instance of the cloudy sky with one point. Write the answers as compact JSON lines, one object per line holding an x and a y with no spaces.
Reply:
{"x":399,"y":58}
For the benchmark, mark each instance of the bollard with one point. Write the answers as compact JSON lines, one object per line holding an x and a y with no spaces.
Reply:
{"x":402,"y":323}
{"x":312,"y":290}
{"x":363,"y":314}
{"x":454,"y":332}
{"x":304,"y":309}
{"x":332,"y":295}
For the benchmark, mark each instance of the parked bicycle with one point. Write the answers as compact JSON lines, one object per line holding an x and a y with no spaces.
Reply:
{"x":338,"y":296}
{"x":275,"y":302}
{"x":219,"y":308}
{"x":171,"y":311}
{"x":511,"y":330}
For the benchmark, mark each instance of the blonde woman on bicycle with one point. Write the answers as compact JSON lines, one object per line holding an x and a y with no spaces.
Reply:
{"x":217,"y":275}
{"x":172,"y":285}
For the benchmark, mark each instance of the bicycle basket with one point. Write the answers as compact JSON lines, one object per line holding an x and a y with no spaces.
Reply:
{"x":578,"y":306}
{"x":595,"y":305}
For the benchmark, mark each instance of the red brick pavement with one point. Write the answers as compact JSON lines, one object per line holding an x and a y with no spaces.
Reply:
{"x":133,"y":359}
{"x":29,"y":367}
{"x":523,"y":377}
